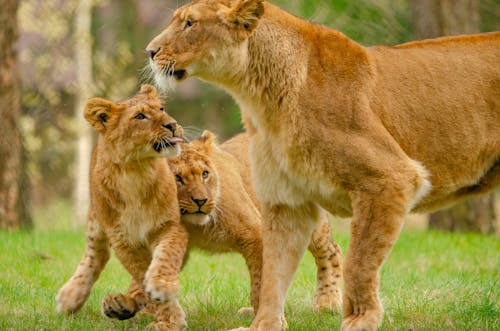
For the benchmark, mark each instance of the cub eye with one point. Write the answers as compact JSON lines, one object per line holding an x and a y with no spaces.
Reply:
{"x":140,"y":116}
{"x":179,"y":179}
{"x":204,"y":174}
{"x":188,"y":24}
{"x":162,"y":109}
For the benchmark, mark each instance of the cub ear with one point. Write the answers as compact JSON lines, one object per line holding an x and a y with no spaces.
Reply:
{"x":97,"y":112}
{"x":245,"y":14}
{"x":149,"y":90}
{"x":207,"y":138}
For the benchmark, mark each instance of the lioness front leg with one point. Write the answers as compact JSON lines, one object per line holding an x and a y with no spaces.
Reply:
{"x":286,"y":232}
{"x":75,"y":292}
{"x":327,"y":256}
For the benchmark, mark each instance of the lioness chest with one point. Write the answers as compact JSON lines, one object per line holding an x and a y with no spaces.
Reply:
{"x":281,"y":180}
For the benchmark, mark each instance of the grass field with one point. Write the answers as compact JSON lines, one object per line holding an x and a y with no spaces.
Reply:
{"x":432,"y":281}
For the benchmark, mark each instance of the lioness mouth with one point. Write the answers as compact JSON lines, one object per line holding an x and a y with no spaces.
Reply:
{"x":166,"y":143}
{"x":179,"y":74}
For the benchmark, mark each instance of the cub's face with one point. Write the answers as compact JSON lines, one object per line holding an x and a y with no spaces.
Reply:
{"x":137,"y":128}
{"x":197,"y":183}
{"x":206,"y":38}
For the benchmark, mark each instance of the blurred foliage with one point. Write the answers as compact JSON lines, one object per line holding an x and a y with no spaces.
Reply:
{"x":121,"y":30}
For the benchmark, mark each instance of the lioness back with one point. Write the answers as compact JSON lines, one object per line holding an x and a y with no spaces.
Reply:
{"x":452,"y":112}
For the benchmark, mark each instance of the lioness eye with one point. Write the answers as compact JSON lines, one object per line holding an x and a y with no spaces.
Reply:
{"x":179,"y":179}
{"x":188,"y":24}
{"x":140,"y":116}
{"x":162,"y":109}
{"x":204,"y":174}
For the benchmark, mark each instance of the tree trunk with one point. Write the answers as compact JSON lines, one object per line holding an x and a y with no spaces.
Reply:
{"x":83,"y":56}
{"x":10,"y":111}
{"x":434,"y":18}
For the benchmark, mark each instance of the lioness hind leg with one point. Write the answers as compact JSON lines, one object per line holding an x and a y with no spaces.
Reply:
{"x":327,"y":256}
{"x":75,"y":292}
{"x":376,"y":223}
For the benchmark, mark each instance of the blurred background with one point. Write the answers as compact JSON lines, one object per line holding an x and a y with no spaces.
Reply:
{"x":56,"y":54}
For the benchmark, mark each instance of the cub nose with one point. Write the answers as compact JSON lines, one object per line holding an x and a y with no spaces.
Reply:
{"x":152,"y":52}
{"x":199,"y":202}
{"x":171,"y":126}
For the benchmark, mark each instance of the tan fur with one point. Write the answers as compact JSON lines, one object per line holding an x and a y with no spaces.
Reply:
{"x":221,"y":212}
{"x":233,"y":212}
{"x":133,"y":209}
{"x":371,"y":132}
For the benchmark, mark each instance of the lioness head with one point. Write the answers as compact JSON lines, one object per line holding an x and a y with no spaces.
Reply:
{"x":136,"y":128}
{"x":197,"y":180}
{"x":206,"y":38}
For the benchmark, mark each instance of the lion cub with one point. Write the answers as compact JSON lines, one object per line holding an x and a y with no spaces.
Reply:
{"x":222,"y":214}
{"x":134,"y":208}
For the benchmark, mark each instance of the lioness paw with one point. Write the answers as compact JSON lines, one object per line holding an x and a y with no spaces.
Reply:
{"x":161,"y":290}
{"x":369,"y":321}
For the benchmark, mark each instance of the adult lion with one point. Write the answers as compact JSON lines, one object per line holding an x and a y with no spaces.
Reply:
{"x":369,"y":132}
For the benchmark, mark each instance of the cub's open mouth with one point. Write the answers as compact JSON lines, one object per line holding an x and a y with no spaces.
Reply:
{"x":165,"y":142}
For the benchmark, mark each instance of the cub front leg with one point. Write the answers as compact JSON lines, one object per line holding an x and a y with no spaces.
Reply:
{"x":252,"y":252}
{"x":169,"y":248}
{"x":327,"y":256}
{"x":75,"y":292}
{"x":170,"y":316}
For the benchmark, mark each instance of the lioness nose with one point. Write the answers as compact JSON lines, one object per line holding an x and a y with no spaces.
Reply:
{"x":199,"y":202}
{"x":152,"y":52}
{"x":170,"y":126}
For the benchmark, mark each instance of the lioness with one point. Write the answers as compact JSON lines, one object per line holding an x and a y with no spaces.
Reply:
{"x":372,"y":132}
{"x":134,"y":207}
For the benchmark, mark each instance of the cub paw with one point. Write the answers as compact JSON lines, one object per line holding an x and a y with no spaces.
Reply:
{"x":327,"y":301}
{"x":161,"y":290}
{"x":71,"y":298}
{"x":119,"y":306}
{"x":166,"y":326}
{"x":246,"y":311}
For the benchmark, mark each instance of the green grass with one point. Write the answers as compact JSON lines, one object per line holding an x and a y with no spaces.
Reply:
{"x":432,"y":281}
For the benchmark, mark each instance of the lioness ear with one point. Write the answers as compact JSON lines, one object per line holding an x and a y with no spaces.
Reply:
{"x":97,"y":112}
{"x":245,"y":14}
{"x":149,"y":89}
{"x":208,"y":140}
